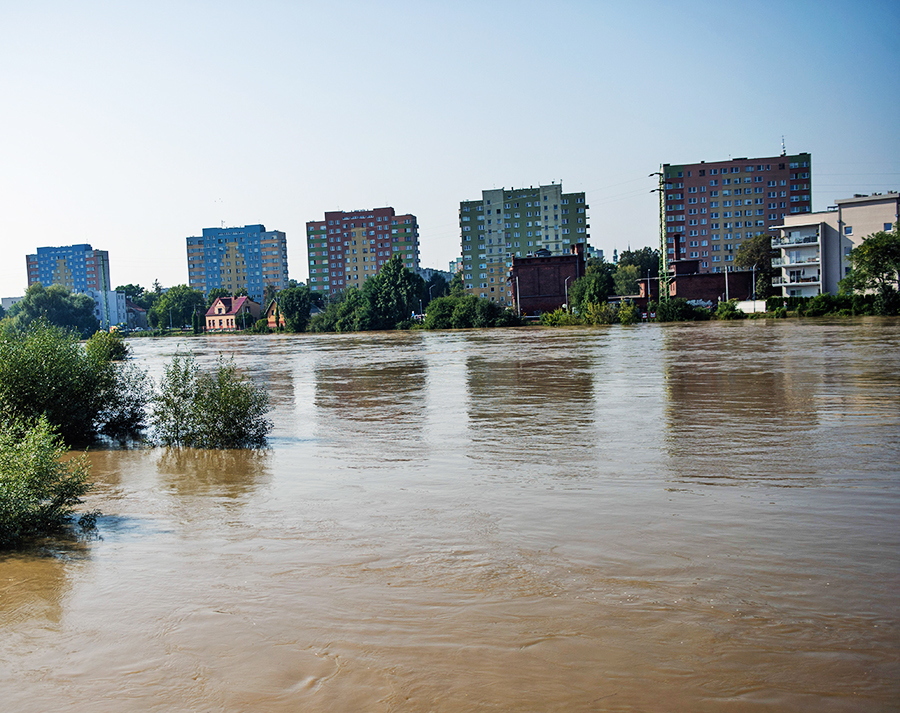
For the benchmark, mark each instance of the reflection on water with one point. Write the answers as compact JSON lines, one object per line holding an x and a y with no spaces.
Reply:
{"x":533,"y":405}
{"x":377,"y":394}
{"x":228,"y":474}
{"x":518,"y":520}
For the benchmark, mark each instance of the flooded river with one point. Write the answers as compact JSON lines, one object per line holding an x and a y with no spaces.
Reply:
{"x":659,"y":518}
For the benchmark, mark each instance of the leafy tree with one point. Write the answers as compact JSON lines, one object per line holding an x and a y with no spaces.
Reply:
{"x":57,"y":306}
{"x":2,"y":312}
{"x":106,"y":346}
{"x":44,"y":370}
{"x":138,"y":295}
{"x":214,"y":294}
{"x":758,"y":253}
{"x":646,"y":259}
{"x":439,"y":312}
{"x":595,"y":286}
{"x":295,"y":303}
{"x":876,"y":266}
{"x":393,"y":294}
{"x":38,"y":490}
{"x":219,"y":409}
{"x":457,"y":286}
{"x":626,"y":279}
{"x":175,"y":306}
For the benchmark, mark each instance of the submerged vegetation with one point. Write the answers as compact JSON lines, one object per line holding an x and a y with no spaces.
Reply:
{"x":221,"y":409}
{"x":38,"y":491}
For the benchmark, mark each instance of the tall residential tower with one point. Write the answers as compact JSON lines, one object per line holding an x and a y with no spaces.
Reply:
{"x":348,"y":247}
{"x":514,"y":222}
{"x":76,"y":267}
{"x":711,"y":207}
{"x":248,"y":258}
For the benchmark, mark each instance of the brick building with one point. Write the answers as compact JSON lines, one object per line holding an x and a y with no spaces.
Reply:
{"x":539,"y":282}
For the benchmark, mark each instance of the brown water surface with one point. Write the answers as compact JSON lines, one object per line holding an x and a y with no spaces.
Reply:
{"x":658,"y":518}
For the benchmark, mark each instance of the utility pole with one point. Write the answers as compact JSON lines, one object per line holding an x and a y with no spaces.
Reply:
{"x":663,"y":286}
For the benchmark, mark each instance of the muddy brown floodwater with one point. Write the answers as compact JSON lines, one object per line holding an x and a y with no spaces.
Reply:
{"x":658,"y":518}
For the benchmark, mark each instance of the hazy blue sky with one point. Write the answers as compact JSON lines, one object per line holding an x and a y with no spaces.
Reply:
{"x":132,"y":125}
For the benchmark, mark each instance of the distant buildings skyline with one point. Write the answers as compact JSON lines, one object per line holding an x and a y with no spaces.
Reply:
{"x":76,"y":267}
{"x":514,"y":222}
{"x":710,"y":207}
{"x":348,"y":247}
{"x":248,"y":258}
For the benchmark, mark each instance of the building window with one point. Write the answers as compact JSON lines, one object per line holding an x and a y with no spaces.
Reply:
{"x":848,"y":230}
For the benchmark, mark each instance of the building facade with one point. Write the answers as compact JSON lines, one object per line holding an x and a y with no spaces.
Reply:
{"x":228,"y":314}
{"x":76,"y":267}
{"x":235,"y":259}
{"x":348,"y":247}
{"x":709,"y":208}
{"x":540,"y":282}
{"x":814,"y":249}
{"x":516,"y":222}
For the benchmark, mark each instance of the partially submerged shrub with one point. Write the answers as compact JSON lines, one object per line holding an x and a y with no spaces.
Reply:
{"x":218,"y":409}
{"x":44,"y":370}
{"x":106,"y":346}
{"x":38,"y":491}
{"x":729,"y":310}
{"x":560,"y":318}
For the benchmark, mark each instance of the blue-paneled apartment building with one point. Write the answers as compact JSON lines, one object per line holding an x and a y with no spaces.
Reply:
{"x":76,"y":267}
{"x":238,"y":258}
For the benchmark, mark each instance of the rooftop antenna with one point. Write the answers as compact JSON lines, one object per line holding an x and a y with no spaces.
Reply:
{"x":783,"y":149}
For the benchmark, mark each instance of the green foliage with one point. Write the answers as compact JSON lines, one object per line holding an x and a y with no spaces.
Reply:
{"x":45,"y":371}
{"x":260,"y":326}
{"x":629,"y":313}
{"x":295,"y":303}
{"x":595,"y":286}
{"x":393,"y":294}
{"x":602,"y":313}
{"x":467,"y":311}
{"x":214,"y":294}
{"x":679,"y":310}
{"x":436,"y":287}
{"x":727,"y":310}
{"x":758,"y":253}
{"x":646,"y":259}
{"x":626,"y":278}
{"x":57,"y":306}
{"x":218,"y":409}
{"x":386,"y":301}
{"x":876,"y":266}
{"x":457,"y":286}
{"x":38,"y":492}
{"x":139,"y":296}
{"x":439,"y":313}
{"x":175,"y":307}
{"x":107,"y":346}
{"x":560,"y":318}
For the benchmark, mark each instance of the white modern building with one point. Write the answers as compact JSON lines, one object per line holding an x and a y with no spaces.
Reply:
{"x":815,"y":247}
{"x":109,"y":307}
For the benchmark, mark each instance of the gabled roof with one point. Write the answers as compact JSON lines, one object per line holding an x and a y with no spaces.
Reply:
{"x":232,"y":305}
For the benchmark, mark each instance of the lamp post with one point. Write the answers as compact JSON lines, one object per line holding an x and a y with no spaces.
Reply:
{"x":566,"y":288}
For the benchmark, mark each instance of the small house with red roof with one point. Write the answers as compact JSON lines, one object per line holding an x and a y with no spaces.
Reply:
{"x":228,"y":314}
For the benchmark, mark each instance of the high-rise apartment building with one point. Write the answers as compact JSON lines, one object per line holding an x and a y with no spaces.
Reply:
{"x":248,"y":258}
{"x":348,"y":247}
{"x":514,"y":222}
{"x":711,"y":207}
{"x":76,"y":267}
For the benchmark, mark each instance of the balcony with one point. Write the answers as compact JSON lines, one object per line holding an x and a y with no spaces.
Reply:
{"x":795,"y":280}
{"x":779,"y":261}
{"x":807,"y":240}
